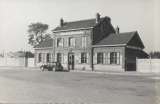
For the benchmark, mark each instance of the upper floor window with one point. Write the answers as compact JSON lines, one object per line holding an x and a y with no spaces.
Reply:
{"x":59,"y":42}
{"x":71,"y":42}
{"x":114,"y":58}
{"x":84,"y":42}
{"x":100,"y":58}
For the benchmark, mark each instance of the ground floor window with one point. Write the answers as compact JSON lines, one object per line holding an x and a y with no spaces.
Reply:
{"x":48,"y":57}
{"x":114,"y":58}
{"x":59,"y":57}
{"x":40,"y":57}
{"x":100,"y":58}
{"x":83,"y":57}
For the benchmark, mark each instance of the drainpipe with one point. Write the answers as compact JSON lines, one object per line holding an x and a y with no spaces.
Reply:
{"x":92,"y":65}
{"x":92,"y":51}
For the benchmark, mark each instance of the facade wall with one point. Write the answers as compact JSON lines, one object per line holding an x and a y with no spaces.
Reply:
{"x":74,"y":34}
{"x":43,"y":53}
{"x":131,"y":55}
{"x":79,"y":47}
{"x":120,"y":66}
{"x":77,"y":59}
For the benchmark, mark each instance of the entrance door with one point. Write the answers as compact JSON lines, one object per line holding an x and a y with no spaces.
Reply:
{"x":71,"y":61}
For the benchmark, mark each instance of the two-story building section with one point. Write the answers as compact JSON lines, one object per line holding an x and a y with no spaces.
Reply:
{"x":44,"y":52}
{"x":94,"y":44}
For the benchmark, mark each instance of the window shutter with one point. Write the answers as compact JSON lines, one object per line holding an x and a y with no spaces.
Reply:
{"x":51,"y":57}
{"x":76,"y":58}
{"x":65,"y":58}
{"x":74,"y":42}
{"x":67,"y":42}
{"x":79,"y":58}
{"x":43,"y":58}
{"x":86,"y":42}
{"x":108,"y":56}
{"x":87,"y":57}
{"x":62,"y":42}
{"x":118,"y":58}
{"x":95,"y":58}
{"x":56,"y":57}
{"x":82,"y":42}
{"x":56,"y":43}
{"x":37,"y":57}
{"x":104,"y":58}
{"x":62,"y":56}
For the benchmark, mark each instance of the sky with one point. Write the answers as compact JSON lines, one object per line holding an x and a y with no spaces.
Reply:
{"x":130,"y":15}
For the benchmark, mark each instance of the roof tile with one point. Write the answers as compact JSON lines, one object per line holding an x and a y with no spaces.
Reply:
{"x":115,"y":39}
{"x":45,"y":44}
{"x":78,"y":24}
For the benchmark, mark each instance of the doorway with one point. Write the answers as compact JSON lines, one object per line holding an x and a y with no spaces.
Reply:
{"x":70,"y":61}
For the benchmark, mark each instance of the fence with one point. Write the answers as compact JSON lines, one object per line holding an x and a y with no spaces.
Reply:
{"x":19,"y":61}
{"x":148,"y":65}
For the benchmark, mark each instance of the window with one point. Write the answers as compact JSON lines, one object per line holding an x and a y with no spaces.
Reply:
{"x":71,"y":42}
{"x":84,"y":42}
{"x":59,"y":42}
{"x":48,"y":57}
{"x":59,"y":57}
{"x":83,"y":58}
{"x":114,"y":58}
{"x":39,"y":57}
{"x":100,"y":58}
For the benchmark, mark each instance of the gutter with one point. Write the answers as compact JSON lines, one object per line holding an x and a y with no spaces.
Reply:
{"x":109,"y":45}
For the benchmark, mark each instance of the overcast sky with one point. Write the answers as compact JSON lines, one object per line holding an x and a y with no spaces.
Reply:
{"x":130,"y":15}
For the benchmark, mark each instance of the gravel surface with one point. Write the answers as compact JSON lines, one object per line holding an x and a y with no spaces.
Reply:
{"x":36,"y":87}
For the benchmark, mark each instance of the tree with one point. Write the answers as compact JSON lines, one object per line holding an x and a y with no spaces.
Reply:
{"x":29,"y":54}
{"x":154,"y":55}
{"x":36,"y":33}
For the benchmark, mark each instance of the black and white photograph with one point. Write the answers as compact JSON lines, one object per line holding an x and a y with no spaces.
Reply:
{"x":79,"y":51}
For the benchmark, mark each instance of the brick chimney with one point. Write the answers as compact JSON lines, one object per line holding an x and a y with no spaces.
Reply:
{"x":98,"y":17}
{"x":61,"y":22}
{"x":117,"y":30}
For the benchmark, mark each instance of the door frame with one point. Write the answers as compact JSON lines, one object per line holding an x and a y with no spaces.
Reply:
{"x":71,"y":61}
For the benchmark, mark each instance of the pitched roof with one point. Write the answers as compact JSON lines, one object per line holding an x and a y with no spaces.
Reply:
{"x":78,"y":24}
{"x":45,"y":44}
{"x":117,"y":39}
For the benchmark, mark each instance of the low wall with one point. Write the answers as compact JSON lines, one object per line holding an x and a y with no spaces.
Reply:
{"x":18,"y":62}
{"x":108,"y":68}
{"x":31,"y":62}
{"x":12,"y":61}
{"x":148,"y":65}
